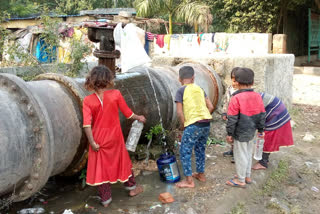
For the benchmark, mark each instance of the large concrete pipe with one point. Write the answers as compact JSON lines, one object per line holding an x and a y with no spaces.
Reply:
{"x":41,"y":121}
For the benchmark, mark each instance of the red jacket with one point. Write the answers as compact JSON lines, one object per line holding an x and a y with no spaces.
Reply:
{"x":246,"y":114}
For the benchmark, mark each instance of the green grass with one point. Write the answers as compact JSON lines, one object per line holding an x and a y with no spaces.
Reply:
{"x":276,"y":178}
{"x":295,"y":112}
{"x":239,"y":209}
{"x":214,"y":141}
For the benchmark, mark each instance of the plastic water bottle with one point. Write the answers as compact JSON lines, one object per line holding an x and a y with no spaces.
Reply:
{"x":258,"y":148}
{"x":134,"y":135}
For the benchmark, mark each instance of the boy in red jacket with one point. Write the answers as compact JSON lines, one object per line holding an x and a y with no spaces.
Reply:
{"x":246,"y":114}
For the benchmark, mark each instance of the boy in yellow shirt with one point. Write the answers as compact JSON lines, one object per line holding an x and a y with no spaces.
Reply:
{"x":194,"y":112}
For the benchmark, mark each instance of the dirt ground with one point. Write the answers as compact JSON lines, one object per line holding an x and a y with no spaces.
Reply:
{"x":290,"y":185}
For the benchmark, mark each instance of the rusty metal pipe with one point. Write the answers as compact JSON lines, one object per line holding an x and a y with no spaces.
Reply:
{"x":41,"y":120}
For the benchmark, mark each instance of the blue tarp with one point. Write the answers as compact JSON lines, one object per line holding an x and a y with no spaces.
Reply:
{"x":45,"y":54}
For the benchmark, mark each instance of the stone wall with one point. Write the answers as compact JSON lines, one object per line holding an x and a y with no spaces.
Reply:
{"x":273,"y":72}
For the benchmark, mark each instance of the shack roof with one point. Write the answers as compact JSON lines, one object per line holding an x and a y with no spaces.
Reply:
{"x":108,"y":11}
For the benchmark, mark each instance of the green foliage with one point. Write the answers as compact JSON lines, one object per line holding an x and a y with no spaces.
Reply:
{"x":154,"y":131}
{"x":239,"y":209}
{"x":82,"y":177}
{"x":79,"y":50}
{"x":23,"y":8}
{"x":20,"y":57}
{"x":276,"y":178}
{"x":73,"y":7}
{"x":250,"y":15}
{"x":214,"y":141}
{"x":192,"y":12}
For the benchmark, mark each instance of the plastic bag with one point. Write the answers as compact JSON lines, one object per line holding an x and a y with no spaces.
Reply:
{"x":128,"y":43}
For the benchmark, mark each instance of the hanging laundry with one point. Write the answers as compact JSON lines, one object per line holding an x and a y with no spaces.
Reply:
{"x":70,"y":32}
{"x":160,"y":40}
{"x":202,"y":37}
{"x":199,"y":38}
{"x":212,"y":39}
{"x":77,"y":34}
{"x":146,"y":43}
{"x":151,"y":36}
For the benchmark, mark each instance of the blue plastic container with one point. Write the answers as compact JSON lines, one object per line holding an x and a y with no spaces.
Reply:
{"x":168,"y":168}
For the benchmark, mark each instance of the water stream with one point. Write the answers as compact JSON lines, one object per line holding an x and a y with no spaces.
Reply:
{"x":159,"y":112}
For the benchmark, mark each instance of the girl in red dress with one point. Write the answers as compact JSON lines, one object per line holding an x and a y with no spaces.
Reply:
{"x":108,"y":159}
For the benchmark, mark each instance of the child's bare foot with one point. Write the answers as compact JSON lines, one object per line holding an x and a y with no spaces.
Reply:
{"x":200,"y":176}
{"x":258,"y":166}
{"x":136,"y":191}
{"x":247,"y":179}
{"x":236,"y":183}
{"x":185,"y":184}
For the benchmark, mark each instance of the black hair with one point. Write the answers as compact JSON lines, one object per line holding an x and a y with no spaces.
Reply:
{"x":186,"y":72}
{"x":99,"y":77}
{"x":244,"y":76}
{"x":232,"y":72}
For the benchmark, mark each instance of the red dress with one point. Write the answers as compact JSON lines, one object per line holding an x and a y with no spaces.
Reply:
{"x":112,"y":162}
{"x":275,"y":139}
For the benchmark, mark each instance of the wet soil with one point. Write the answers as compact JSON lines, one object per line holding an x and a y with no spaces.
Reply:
{"x":295,"y":190}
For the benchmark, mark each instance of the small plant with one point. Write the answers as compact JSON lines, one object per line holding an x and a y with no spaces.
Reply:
{"x":82,"y":178}
{"x":215,"y":141}
{"x":276,"y":178}
{"x":239,"y":209}
{"x":156,"y":131}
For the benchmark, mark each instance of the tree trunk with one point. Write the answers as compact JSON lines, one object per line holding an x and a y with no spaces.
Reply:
{"x":285,"y":17}
{"x":170,"y":23}
{"x":279,"y":20}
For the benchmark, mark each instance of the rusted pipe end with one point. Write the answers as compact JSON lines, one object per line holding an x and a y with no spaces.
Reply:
{"x":216,"y":89}
{"x":80,"y":159}
{"x":39,"y":130}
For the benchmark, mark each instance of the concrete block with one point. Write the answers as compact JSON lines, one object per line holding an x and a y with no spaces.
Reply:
{"x":279,"y":43}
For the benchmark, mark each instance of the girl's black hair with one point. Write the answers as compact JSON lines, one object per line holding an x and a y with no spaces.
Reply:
{"x":99,"y":77}
{"x":244,"y":76}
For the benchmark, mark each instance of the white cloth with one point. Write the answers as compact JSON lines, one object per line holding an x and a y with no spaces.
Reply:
{"x":128,"y":43}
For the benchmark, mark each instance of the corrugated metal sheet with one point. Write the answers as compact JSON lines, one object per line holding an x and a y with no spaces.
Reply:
{"x":98,"y":11}
{"x":108,"y":11}
{"x":35,"y":16}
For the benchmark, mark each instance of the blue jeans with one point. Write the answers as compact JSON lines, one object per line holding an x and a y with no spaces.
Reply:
{"x":196,"y":136}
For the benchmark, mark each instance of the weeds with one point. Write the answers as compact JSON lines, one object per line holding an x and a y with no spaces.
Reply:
{"x":16,"y":55}
{"x":276,"y":178}
{"x":82,"y":177}
{"x":214,"y":141}
{"x":295,"y":112}
{"x":239,"y":209}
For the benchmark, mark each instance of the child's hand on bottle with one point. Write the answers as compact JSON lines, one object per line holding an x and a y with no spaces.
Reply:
{"x":141,"y":119}
{"x":95,"y":146}
{"x":224,"y":116}
{"x":229,"y":139}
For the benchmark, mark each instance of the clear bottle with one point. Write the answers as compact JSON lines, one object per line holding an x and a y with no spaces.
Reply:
{"x":258,"y":148}
{"x":134,"y":136}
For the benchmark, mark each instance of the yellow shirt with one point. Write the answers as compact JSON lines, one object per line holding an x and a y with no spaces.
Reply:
{"x":194,"y":105}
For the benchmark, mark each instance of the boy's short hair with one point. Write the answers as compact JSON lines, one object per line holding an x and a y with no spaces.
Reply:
{"x":232,"y":72}
{"x":186,"y":72}
{"x":244,"y":76}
